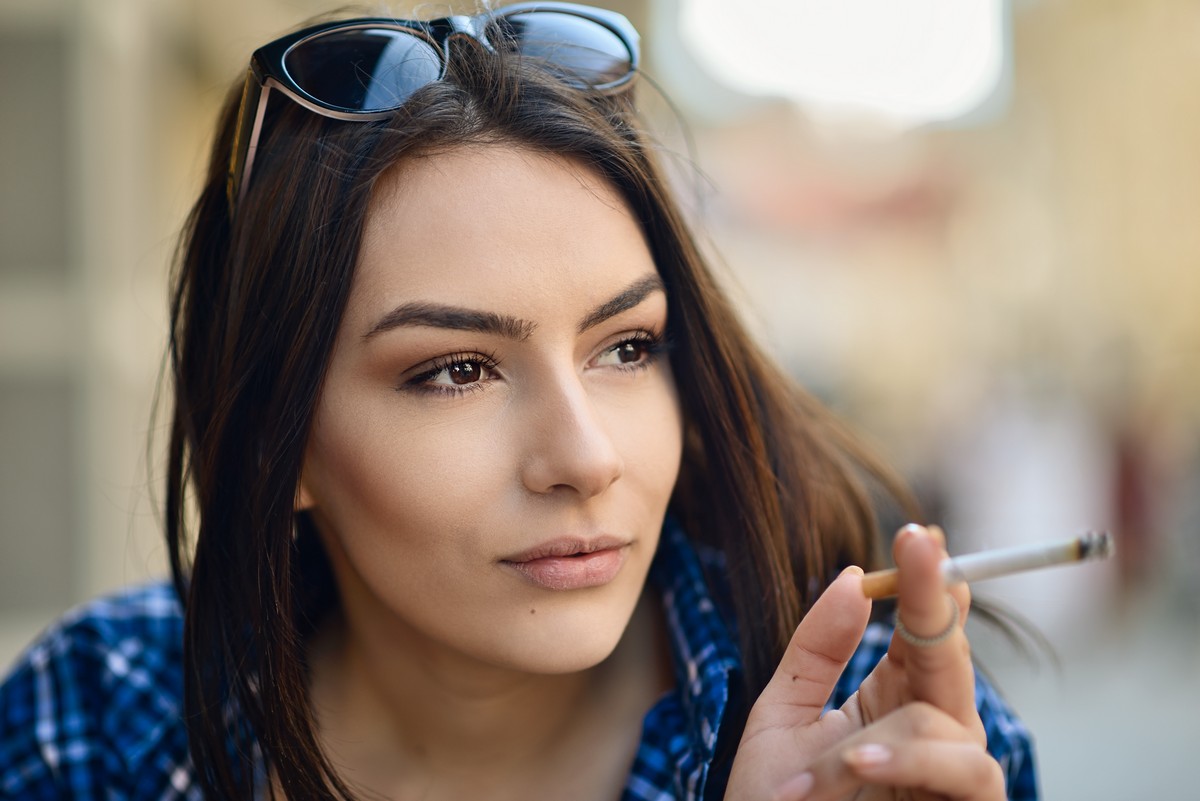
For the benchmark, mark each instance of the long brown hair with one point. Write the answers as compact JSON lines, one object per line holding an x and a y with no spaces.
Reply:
{"x":769,"y":476}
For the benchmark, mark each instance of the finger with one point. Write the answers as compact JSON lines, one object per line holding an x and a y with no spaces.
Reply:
{"x":817,"y":654}
{"x":961,"y":591}
{"x":831,"y":776}
{"x":940,"y":674}
{"x":960,"y":770}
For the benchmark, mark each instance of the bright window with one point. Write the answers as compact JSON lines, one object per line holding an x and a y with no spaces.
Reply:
{"x":910,"y":61}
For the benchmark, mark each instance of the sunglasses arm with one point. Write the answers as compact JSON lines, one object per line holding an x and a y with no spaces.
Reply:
{"x":245,"y":137}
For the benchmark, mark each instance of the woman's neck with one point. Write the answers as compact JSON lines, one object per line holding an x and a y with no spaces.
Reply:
{"x":402,"y":719}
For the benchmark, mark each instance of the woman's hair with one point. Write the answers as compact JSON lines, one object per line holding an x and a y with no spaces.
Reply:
{"x":768,"y":476}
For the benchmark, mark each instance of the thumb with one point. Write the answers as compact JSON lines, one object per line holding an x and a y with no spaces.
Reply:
{"x":817,"y":654}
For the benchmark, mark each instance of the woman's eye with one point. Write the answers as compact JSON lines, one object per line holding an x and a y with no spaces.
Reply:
{"x":460,"y":373}
{"x":630,"y":352}
{"x":454,"y":374}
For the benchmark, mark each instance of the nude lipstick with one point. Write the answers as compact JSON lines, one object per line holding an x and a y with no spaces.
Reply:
{"x":570,"y":564}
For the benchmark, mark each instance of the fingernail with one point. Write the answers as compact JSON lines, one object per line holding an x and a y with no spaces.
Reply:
{"x":852,"y":569}
{"x":871,"y":755}
{"x":796,"y":788}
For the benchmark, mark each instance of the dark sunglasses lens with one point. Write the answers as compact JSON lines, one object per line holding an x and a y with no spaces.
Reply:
{"x":581,"y":50}
{"x":363,"y":69}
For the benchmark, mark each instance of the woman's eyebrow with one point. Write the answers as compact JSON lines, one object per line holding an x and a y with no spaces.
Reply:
{"x":437,"y":315}
{"x":623,"y":301}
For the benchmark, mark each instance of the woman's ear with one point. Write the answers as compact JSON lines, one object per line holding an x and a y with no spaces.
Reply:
{"x":304,"y":498}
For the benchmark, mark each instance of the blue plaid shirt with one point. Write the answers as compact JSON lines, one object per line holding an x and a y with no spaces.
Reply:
{"x":94,"y":709}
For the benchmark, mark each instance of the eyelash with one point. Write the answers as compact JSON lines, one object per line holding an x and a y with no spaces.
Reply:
{"x":655,"y":345}
{"x":423,"y":381}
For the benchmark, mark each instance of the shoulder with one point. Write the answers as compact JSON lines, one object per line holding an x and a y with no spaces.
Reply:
{"x":96,"y":699}
{"x":1008,"y":739}
{"x":134,"y":636}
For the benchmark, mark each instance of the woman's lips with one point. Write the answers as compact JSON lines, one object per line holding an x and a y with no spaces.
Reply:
{"x":571,"y":564}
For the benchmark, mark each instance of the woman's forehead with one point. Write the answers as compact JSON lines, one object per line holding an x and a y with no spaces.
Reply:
{"x":450,"y":182}
{"x":495,"y":222}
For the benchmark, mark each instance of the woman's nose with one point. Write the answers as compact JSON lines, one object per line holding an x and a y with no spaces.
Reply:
{"x":568,"y":445}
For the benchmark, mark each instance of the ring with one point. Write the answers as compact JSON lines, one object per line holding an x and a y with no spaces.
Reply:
{"x":937,"y":639}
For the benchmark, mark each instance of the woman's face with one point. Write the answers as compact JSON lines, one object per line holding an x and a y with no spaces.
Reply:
{"x":499,"y":433}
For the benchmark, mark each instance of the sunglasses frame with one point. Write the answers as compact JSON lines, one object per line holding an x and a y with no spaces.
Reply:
{"x":267,"y":70}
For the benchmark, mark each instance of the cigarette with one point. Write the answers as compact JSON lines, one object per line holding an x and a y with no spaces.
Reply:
{"x":1000,"y":562}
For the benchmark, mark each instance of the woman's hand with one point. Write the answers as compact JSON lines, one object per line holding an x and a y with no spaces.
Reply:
{"x":911,"y":730}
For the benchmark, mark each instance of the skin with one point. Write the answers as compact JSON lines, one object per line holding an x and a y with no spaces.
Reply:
{"x":440,"y":451}
{"x":910,"y":732}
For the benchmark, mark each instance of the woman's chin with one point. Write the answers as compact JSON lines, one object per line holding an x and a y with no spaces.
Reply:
{"x":552,"y":649}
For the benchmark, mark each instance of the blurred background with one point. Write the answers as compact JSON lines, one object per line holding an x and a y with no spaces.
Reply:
{"x":971,"y":226}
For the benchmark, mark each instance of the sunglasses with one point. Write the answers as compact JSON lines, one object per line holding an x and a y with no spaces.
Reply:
{"x":365,"y":69}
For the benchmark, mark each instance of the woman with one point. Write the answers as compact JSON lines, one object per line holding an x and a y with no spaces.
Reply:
{"x":493,"y":495}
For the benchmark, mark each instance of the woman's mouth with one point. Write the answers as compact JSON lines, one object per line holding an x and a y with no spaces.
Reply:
{"x":571,"y":564}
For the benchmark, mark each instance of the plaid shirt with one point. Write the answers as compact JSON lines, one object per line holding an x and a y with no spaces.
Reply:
{"x":94,"y":710}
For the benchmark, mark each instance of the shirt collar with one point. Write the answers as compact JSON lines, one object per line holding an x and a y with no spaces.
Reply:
{"x":705,"y":654}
